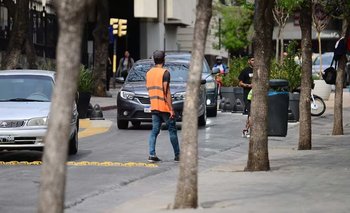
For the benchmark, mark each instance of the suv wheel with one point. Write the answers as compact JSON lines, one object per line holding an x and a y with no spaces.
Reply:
{"x":202,"y":120}
{"x":73,"y":144}
{"x":122,"y":124}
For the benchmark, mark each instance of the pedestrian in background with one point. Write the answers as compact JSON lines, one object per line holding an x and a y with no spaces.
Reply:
{"x":245,"y":81}
{"x":125,"y":65}
{"x":223,"y":69}
{"x":157,"y":82}
{"x":248,"y":124}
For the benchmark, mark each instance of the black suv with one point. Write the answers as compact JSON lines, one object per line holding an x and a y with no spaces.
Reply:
{"x":211,"y":86}
{"x":133,"y":103}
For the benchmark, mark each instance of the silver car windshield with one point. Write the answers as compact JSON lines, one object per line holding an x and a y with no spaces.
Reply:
{"x":24,"y":88}
{"x":178,"y":72}
{"x":326,"y":60}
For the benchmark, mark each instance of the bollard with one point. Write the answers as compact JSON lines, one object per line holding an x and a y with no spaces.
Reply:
{"x":96,"y":113}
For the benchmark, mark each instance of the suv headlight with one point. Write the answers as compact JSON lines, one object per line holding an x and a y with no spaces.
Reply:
{"x":127,"y":95}
{"x":210,"y":85}
{"x":38,"y":122}
{"x":179,"y":96}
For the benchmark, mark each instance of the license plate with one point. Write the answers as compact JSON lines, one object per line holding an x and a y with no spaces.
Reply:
{"x":147,"y":109}
{"x":7,"y":139}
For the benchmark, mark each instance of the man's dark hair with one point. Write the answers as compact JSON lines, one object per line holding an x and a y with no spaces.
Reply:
{"x":158,"y":57}
{"x":250,"y":56}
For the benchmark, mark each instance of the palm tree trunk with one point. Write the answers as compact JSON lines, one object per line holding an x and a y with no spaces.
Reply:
{"x":258,"y":157}
{"x":187,"y":187}
{"x":305,"y":105}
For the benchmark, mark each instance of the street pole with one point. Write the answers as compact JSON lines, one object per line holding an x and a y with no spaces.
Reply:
{"x":114,"y":60}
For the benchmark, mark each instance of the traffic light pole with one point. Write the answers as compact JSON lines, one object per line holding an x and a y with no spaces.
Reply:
{"x":114,"y":60}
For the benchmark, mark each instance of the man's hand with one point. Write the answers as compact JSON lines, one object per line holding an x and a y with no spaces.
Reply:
{"x":172,"y":114}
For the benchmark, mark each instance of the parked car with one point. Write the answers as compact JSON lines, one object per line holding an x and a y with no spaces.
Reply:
{"x":211,"y":86}
{"x":25,"y":99}
{"x":326,"y":62}
{"x":133,"y":103}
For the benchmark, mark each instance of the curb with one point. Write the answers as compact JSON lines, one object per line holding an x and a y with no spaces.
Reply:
{"x":106,"y":108}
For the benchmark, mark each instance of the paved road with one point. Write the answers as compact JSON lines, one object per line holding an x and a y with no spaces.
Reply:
{"x":99,"y":187}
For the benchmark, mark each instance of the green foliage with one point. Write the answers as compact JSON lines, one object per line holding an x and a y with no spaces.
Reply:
{"x":289,"y":69}
{"x":85,"y":80}
{"x":47,"y":64}
{"x":337,"y":8}
{"x":237,"y":64}
{"x":289,"y":5}
{"x":235,"y":25}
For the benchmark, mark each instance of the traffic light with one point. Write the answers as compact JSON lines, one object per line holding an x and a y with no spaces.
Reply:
{"x":122,"y":27}
{"x":114,"y":23}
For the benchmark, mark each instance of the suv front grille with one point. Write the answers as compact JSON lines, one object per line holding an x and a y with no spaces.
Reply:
{"x":144,"y":100}
{"x":11,"y":124}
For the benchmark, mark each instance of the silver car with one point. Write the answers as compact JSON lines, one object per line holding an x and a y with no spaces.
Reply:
{"x":326,"y":62}
{"x":25,"y":99}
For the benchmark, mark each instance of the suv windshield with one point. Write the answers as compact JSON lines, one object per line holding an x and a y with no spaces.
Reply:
{"x":178,"y":72}
{"x":187,"y":57}
{"x":25,"y":88}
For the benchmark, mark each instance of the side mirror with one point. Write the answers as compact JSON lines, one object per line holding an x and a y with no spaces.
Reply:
{"x":215,"y":70}
{"x":119,"y":80}
{"x":76,"y":97}
{"x":203,"y":81}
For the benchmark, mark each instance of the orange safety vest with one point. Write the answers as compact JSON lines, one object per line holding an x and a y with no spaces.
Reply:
{"x":154,"y":84}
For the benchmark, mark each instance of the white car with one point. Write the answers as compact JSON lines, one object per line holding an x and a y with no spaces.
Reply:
{"x":25,"y":99}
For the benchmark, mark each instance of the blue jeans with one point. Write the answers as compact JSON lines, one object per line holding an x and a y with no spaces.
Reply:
{"x":157,"y":119}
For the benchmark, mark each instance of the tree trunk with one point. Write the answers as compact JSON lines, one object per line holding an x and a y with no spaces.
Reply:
{"x":71,"y":17}
{"x":338,"y":100}
{"x":278,"y":44}
{"x":187,"y":187}
{"x":30,"y":52}
{"x":305,"y":94}
{"x":282,"y":48}
{"x":258,"y":157}
{"x":18,"y":36}
{"x":320,"y":50}
{"x":101,"y":48}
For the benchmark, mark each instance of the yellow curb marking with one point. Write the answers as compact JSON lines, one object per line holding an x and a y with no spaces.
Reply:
{"x":89,"y":130}
{"x":82,"y":163}
{"x":84,"y":123}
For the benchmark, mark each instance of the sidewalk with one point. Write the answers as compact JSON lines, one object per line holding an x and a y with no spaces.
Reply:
{"x":107,"y":103}
{"x":299,"y":181}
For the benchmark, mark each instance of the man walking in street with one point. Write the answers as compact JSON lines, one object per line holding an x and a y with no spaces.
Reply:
{"x":245,"y":81}
{"x":158,"y":86}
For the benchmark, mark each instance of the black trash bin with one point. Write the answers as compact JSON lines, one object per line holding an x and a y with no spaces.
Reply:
{"x":278,"y":102}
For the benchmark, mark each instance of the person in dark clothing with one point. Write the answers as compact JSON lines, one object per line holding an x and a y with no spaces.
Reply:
{"x":157,"y":83}
{"x":245,"y":80}
{"x":125,"y":65}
